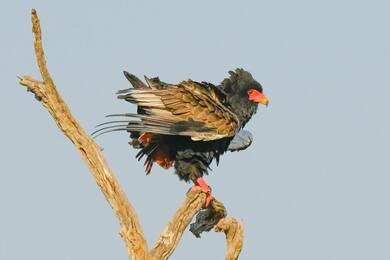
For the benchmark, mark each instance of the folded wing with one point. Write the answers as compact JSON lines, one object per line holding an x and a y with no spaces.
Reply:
{"x":186,"y":109}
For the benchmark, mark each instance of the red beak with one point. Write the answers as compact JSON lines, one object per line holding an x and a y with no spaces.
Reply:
{"x":258,"y":97}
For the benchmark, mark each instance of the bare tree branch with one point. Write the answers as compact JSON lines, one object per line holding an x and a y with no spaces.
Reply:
{"x":172,"y":233}
{"x":234,"y":232}
{"x":130,"y":228}
{"x":46,"y":92}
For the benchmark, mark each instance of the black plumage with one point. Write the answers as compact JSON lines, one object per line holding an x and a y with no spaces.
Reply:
{"x":188,"y":125}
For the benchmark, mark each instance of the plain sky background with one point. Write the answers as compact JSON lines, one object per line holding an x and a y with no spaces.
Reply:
{"x":313,"y":185}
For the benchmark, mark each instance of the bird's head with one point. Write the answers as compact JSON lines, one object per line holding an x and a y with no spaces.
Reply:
{"x":244,"y":93}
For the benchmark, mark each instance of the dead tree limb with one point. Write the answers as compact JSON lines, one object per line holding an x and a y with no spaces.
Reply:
{"x":130,"y":229}
{"x":234,"y":232}
{"x":46,"y":92}
{"x":172,"y":233}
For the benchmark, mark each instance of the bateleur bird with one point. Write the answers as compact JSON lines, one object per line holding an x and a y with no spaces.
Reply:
{"x":188,"y":125}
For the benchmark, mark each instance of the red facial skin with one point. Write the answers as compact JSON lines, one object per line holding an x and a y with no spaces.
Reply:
{"x":258,"y":97}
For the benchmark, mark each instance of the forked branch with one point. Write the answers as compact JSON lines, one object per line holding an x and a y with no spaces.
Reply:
{"x":130,"y":229}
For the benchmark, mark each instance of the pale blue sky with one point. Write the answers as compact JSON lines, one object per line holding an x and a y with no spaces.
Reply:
{"x":313,"y":185}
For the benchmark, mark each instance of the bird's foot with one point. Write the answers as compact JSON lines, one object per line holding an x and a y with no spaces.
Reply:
{"x":201,"y":185}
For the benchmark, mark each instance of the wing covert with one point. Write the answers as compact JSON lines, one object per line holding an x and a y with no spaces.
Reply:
{"x":189,"y":109}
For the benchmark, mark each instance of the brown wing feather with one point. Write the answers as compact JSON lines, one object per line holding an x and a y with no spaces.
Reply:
{"x":188,"y":108}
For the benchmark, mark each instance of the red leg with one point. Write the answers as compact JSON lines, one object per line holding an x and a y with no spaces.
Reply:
{"x":200,"y":184}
